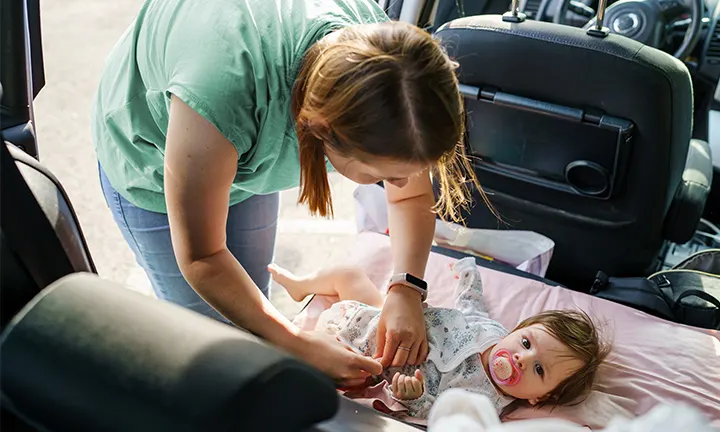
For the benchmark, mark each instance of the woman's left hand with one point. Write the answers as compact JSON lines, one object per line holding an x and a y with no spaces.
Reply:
{"x":401,"y":336}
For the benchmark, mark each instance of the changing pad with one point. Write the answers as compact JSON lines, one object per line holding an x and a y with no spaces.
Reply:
{"x":652,"y":360}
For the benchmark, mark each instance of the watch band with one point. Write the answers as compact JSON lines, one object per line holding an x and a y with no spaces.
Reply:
{"x":410,"y":281}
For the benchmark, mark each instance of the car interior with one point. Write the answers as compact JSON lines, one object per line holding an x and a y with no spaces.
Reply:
{"x":596,"y":128}
{"x":560,"y":126}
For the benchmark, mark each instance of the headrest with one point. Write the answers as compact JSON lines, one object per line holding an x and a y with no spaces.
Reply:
{"x":549,"y":53}
{"x":87,"y":354}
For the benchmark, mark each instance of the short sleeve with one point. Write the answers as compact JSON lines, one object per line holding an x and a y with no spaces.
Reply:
{"x":210,"y":64}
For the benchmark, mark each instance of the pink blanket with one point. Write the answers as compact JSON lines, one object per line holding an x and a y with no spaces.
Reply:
{"x":653,"y":360}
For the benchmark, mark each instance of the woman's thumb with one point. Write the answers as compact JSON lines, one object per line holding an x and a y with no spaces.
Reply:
{"x":369,"y":365}
{"x":418,"y":375}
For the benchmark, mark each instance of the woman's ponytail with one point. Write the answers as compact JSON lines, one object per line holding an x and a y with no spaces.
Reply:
{"x":314,"y":185}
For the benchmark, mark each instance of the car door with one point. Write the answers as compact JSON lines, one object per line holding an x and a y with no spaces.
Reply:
{"x":22,"y":73}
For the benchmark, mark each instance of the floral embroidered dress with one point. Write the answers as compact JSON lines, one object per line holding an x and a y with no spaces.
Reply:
{"x":456,"y":339}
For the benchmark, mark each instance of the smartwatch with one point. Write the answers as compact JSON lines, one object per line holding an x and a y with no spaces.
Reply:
{"x":410,"y":281}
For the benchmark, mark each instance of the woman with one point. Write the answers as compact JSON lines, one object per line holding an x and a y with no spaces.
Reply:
{"x":205,"y":110}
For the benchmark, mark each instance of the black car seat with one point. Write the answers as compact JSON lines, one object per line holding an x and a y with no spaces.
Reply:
{"x":89,"y":354}
{"x":40,"y":238}
{"x":586,"y":140}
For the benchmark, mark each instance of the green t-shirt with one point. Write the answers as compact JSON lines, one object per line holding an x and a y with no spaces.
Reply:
{"x":232,"y":61}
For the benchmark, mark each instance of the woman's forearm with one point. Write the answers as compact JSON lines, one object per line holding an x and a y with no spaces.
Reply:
{"x":224,"y":284}
{"x":412,"y":227}
{"x":401,"y":330}
{"x":200,"y":167}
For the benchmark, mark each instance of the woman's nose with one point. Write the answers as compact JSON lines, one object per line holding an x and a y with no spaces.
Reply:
{"x":400,"y":183}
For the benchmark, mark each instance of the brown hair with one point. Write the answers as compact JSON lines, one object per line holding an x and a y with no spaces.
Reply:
{"x":387,"y":91}
{"x":578,"y":332}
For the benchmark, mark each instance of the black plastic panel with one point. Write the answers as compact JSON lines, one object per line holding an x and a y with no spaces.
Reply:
{"x":22,"y":70}
{"x":548,"y":145}
{"x":710,"y":57}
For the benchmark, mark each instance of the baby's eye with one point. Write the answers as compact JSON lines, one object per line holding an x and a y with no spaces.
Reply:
{"x":526,"y":343}
{"x":539,"y":370}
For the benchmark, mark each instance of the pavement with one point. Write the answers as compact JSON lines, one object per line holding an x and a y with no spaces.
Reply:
{"x":77,"y":36}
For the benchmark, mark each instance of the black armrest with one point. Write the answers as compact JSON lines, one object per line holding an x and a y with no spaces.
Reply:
{"x":87,"y":354}
{"x":692,"y":192}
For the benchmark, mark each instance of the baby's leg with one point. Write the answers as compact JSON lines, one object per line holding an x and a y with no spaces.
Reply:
{"x":348,"y":283}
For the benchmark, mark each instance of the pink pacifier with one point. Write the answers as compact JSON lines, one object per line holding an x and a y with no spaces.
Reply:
{"x":503,"y":368}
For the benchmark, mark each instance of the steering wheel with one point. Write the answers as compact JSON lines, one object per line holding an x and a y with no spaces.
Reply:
{"x":646,"y":21}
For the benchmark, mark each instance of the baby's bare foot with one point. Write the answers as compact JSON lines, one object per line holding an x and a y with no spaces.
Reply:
{"x":291,"y":283}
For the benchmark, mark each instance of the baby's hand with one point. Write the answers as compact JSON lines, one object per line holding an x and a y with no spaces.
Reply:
{"x":407,"y":387}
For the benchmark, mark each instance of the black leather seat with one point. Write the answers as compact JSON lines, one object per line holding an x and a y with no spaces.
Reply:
{"x":582,"y":139}
{"x":40,"y":237}
{"x":88,"y":354}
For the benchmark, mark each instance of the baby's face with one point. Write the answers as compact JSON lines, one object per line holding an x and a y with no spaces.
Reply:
{"x":543,"y":362}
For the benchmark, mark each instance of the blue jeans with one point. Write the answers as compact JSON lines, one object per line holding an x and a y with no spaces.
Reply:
{"x":251,"y":230}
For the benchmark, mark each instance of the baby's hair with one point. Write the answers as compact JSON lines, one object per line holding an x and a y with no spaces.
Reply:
{"x":578,"y":332}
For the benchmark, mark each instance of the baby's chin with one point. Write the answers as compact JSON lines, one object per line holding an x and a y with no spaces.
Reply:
{"x":513,"y":391}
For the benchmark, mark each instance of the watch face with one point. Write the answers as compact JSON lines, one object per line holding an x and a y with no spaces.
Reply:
{"x":416,"y":281}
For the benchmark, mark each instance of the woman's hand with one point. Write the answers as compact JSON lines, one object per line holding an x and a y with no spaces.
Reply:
{"x":401,"y":336}
{"x":407,"y":387}
{"x":346,"y":367}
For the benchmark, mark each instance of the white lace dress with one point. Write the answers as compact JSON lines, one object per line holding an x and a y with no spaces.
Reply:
{"x":456,"y":339}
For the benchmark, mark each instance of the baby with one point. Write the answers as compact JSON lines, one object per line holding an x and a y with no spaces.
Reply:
{"x":549,"y":358}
